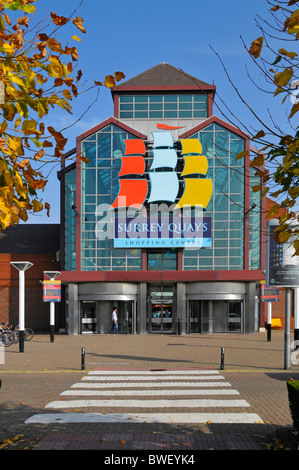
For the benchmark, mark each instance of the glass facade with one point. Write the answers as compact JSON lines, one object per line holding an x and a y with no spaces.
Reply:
{"x":99,"y":185}
{"x":226,"y":207}
{"x":70,"y":220}
{"x":254,"y":223}
{"x":163,"y":106}
{"x":99,"y":188}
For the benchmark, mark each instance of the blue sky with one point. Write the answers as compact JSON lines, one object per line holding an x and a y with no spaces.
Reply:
{"x":132,"y":36}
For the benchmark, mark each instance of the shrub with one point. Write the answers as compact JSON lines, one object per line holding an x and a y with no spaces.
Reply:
{"x":293,"y":392}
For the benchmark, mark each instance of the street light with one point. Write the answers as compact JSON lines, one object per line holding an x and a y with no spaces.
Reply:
{"x":52,"y":276}
{"x":21,"y":266}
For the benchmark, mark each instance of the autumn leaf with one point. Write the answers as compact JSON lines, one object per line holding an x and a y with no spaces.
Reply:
{"x":256,"y":47}
{"x":242,"y":154}
{"x":119,"y":76}
{"x":109,"y":81}
{"x":79,"y":23}
{"x":29,"y":79}
{"x":283,"y":78}
{"x":59,"y":20}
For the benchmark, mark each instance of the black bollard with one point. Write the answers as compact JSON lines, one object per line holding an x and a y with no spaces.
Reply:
{"x":268,"y":331}
{"x":21,"y":340}
{"x":83,"y":359}
{"x":222,"y":359}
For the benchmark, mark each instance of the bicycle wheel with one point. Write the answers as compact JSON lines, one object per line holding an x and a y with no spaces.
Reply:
{"x":7,"y":338}
{"x":29,"y":333}
{"x":16,"y":336}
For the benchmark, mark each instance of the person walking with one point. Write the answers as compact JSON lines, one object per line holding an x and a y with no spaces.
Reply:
{"x":114,"y":321}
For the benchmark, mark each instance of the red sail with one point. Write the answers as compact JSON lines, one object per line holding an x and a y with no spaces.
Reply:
{"x":132,"y":165}
{"x":134,"y":146}
{"x":132,"y":193}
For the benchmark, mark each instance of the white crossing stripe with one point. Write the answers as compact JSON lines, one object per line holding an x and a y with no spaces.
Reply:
{"x":149,"y":393}
{"x":154,"y":372}
{"x":154,"y":390}
{"x":170,"y":418}
{"x":125,"y":378}
{"x":150,"y":385}
{"x":192,"y":403}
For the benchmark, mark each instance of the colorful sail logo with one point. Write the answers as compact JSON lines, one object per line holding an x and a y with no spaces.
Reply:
{"x":132,"y":191}
{"x":163,"y":181}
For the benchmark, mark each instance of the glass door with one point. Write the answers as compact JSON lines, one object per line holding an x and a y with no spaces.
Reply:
{"x":161,"y":311}
{"x":162,"y":317}
{"x":235,"y":316}
{"x":88,"y":317}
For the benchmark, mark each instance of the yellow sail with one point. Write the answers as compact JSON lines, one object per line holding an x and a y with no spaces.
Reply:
{"x":195,"y":164}
{"x":198,"y":191}
{"x":191,"y":146}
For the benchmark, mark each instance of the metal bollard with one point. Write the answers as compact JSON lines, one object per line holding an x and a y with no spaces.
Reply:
{"x":83,"y":359}
{"x":222,"y":359}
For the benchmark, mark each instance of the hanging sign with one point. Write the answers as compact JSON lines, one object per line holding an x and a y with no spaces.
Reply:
{"x":52,"y":291}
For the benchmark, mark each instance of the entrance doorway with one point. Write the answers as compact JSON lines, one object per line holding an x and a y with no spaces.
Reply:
{"x":96,"y":316}
{"x":162,"y":317}
{"x":161,"y":309}
{"x":215,"y":316}
{"x":88,"y":317}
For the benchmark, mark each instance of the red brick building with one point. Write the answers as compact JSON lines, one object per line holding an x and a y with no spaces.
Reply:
{"x":39,"y":244}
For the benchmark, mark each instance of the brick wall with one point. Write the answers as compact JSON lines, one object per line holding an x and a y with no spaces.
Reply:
{"x":37,"y":312}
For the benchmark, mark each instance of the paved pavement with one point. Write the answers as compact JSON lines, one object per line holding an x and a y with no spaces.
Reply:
{"x":150,"y":393}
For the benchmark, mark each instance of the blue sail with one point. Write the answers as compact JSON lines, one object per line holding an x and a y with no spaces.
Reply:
{"x":164,"y":186}
{"x":162,"y":139}
{"x":164,"y":158}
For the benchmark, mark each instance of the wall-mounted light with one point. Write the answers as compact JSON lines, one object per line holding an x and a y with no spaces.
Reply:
{"x":252,"y":207}
{"x":74,"y":207}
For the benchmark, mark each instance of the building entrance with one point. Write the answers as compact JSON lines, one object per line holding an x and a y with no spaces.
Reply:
{"x":161,"y":309}
{"x":216,"y":316}
{"x":162,"y":317}
{"x":96,"y":316}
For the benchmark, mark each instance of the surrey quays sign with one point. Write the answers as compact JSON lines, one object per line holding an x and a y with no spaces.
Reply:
{"x":144,"y":213}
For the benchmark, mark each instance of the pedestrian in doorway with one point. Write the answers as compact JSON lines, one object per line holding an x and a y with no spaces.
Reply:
{"x":114,"y":321}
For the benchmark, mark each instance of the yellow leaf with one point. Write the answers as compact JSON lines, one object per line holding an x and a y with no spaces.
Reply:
{"x":37,"y":206}
{"x":242,"y":154}
{"x":256,"y":47}
{"x":76,"y":38}
{"x":288,"y":54}
{"x":256,"y":188}
{"x":257,"y":161}
{"x":109,"y":81}
{"x":283,"y":78}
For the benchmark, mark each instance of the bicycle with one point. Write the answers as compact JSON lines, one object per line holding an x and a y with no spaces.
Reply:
{"x":7,"y":338}
{"x":28,"y":332}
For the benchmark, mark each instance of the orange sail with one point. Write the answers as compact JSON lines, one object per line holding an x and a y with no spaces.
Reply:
{"x":134,"y":147}
{"x":132,"y":193}
{"x":132,"y":165}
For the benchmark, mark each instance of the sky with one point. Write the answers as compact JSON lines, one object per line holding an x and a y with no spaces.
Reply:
{"x":133,"y":36}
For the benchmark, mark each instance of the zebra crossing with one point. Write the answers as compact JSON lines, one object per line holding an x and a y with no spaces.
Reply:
{"x":190,"y":397}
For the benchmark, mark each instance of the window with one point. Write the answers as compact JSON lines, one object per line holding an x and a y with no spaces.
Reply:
{"x":99,"y":185}
{"x":163,"y":106}
{"x":226,"y":207}
{"x":162,"y":260}
{"x":70,"y":221}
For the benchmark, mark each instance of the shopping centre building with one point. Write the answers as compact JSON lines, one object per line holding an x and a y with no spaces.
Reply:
{"x":158,"y":217}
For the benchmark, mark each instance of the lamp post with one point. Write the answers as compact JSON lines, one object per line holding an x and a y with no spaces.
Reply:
{"x":21,"y":266}
{"x":52,"y":276}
